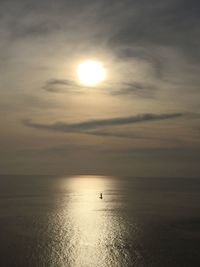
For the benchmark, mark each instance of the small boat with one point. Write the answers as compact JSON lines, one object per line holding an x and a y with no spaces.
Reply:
{"x":101,"y":196}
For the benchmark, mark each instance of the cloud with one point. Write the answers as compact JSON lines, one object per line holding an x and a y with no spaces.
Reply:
{"x":127,"y":135}
{"x":115,"y":89}
{"x":164,"y":34}
{"x":98,"y":123}
{"x":162,"y":23}
{"x":134,"y":88}
{"x":61,"y":85}
{"x":163,"y":153}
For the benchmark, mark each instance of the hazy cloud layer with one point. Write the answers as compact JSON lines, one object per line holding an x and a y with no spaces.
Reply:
{"x":164,"y":23}
{"x":151,"y":50}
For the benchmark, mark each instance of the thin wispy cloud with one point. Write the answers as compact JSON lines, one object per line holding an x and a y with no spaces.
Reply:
{"x":98,"y":123}
{"x":61,"y":86}
{"x":134,"y":89}
{"x":114,"y":89}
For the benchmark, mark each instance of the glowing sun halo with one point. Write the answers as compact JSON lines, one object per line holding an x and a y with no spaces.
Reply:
{"x":91,"y":73}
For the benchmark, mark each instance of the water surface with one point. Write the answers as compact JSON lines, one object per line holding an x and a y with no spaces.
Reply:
{"x":61,"y":221}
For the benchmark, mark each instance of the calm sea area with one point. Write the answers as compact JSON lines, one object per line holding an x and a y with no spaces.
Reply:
{"x":48,"y":221}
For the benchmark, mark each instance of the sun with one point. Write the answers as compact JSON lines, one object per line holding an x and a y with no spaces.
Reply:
{"x":91,"y":72}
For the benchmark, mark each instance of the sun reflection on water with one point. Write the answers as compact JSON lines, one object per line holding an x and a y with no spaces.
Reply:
{"x":90,"y":224}
{"x":91,"y":229}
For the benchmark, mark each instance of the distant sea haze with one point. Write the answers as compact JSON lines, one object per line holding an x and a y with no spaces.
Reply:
{"x":62,"y":221}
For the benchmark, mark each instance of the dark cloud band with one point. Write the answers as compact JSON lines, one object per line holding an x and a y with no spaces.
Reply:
{"x":94,"y":124}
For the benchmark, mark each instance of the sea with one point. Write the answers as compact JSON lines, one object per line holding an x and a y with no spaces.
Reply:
{"x":49,"y":221}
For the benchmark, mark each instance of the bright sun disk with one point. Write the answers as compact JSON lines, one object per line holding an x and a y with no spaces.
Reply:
{"x":91,"y":73}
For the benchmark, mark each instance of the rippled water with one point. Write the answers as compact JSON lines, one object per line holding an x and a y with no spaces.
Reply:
{"x":61,"y":221}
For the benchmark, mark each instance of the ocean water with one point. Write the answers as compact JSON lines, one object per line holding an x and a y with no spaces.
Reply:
{"x":61,"y":221}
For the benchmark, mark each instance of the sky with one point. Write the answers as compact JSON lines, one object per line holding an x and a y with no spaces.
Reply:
{"x":143,"y":120}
